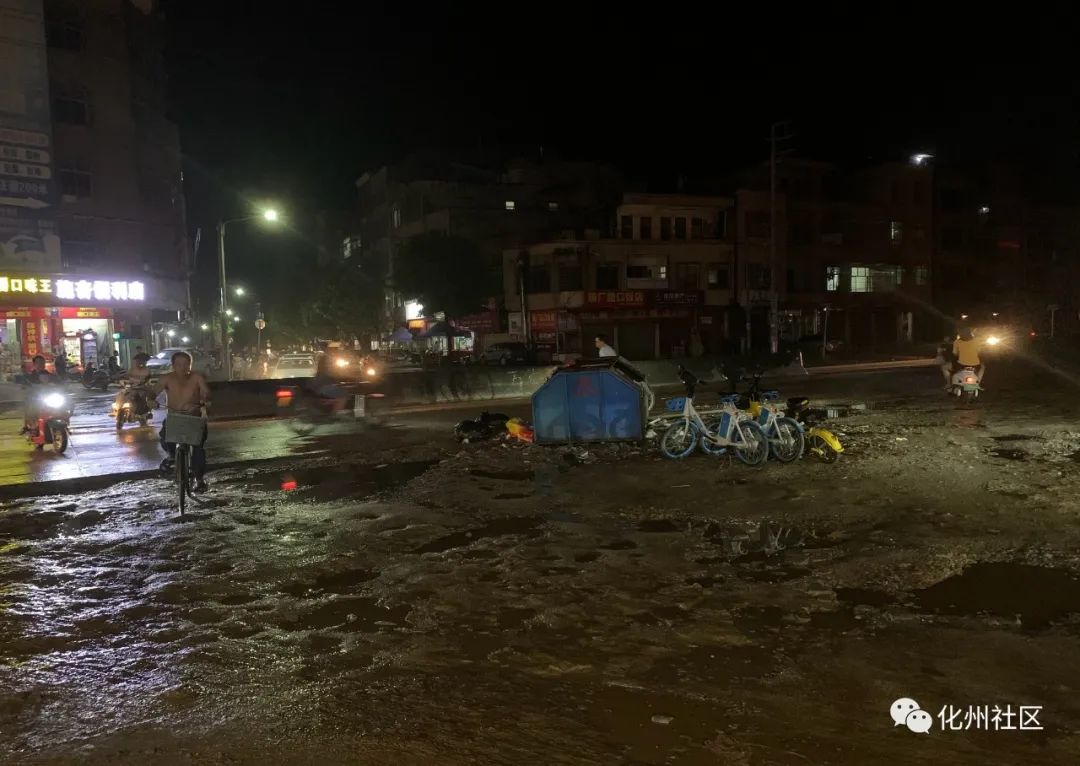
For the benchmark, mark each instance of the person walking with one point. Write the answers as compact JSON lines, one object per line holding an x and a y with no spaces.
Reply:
{"x":602,"y":347}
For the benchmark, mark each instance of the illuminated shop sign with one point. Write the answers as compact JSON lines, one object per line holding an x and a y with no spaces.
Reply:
{"x":74,"y":289}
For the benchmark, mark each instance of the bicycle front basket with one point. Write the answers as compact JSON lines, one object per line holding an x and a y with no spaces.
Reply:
{"x":677,"y":404}
{"x":184,"y":429}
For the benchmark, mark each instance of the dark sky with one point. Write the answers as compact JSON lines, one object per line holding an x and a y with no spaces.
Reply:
{"x":294,"y":100}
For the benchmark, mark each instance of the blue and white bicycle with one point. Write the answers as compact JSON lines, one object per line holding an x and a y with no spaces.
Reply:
{"x":731,"y":429}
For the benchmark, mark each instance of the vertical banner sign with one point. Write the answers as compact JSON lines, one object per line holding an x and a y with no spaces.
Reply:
{"x":31,"y":338}
{"x":28,"y":236}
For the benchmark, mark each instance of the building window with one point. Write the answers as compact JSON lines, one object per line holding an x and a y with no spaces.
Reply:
{"x":569,"y":276}
{"x":896,"y":231}
{"x":77,"y":254}
{"x":720,"y":229}
{"x":645,"y":227}
{"x":510,"y":205}
{"x":553,"y":207}
{"x":832,"y":278}
{"x":65,"y":34}
{"x":607,"y":276}
{"x":627,"y":227}
{"x":646,"y":269}
{"x":860,"y":279}
{"x":718,"y":278}
{"x":539,"y":279}
{"x":922,"y":275}
{"x":75,"y":182}
{"x":687,"y":276}
{"x":396,"y":217}
{"x":680,"y":228}
{"x":758,"y":276}
{"x":665,"y":228}
{"x":697,"y":228}
{"x":71,"y":108}
{"x":757,"y":224}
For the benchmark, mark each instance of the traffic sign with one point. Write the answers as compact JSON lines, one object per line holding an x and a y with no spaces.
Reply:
{"x":260,"y":324}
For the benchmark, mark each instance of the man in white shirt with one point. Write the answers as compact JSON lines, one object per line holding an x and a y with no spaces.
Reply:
{"x":603,"y":348}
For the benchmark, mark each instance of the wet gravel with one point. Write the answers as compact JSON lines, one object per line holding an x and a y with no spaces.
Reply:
{"x":504,"y":603}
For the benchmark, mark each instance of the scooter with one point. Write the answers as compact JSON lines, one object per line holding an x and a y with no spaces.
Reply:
{"x":95,"y":377}
{"x":133,"y":408}
{"x":965,"y":385}
{"x":53,"y":418}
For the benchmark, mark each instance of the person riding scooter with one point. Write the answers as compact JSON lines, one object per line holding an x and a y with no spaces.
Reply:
{"x":966,"y":353}
{"x":38,"y":376}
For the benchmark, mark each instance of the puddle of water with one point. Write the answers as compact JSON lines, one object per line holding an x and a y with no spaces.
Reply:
{"x":657,"y":525}
{"x":1009,"y":453}
{"x":505,"y":475}
{"x":864,"y":597}
{"x":1037,"y":595}
{"x":526,"y":525}
{"x":334,"y":482}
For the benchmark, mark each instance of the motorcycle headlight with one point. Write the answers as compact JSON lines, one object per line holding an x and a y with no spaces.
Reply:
{"x":342,"y":362}
{"x":993,"y":340}
{"x":55,"y":401}
{"x":371,"y":372}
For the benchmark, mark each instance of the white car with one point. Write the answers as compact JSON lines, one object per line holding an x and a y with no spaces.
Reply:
{"x":294,"y":366}
{"x":161,"y":362}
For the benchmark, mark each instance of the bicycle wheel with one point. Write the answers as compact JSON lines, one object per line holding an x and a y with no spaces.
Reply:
{"x":679,"y":440}
{"x":751,"y":445}
{"x":788,"y":441}
{"x":709,"y":447}
{"x":182,"y":476}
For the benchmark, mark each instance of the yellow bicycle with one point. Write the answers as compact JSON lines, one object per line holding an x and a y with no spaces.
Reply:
{"x":820,"y":442}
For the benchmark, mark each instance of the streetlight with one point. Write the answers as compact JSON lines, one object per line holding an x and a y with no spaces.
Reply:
{"x":240,"y":291}
{"x":228,"y":312}
{"x":204,"y":327}
{"x":185,"y":339}
{"x":921,"y":159}
{"x":270,"y":215}
{"x":171,"y":333}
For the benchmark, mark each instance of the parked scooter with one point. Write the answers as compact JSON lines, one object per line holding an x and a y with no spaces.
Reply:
{"x":819,"y":441}
{"x":51,"y":419}
{"x":95,"y":377}
{"x":134,"y":407}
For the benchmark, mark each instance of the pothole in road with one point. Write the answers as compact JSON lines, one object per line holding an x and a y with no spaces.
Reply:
{"x":1009,"y":453}
{"x":1037,"y":596}
{"x":335,"y":482}
{"x":526,"y":525}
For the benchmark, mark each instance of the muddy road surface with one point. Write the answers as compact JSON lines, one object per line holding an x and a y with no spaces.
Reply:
{"x":512,"y":604}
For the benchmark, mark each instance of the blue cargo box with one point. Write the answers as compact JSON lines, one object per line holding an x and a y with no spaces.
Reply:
{"x":588,"y":403}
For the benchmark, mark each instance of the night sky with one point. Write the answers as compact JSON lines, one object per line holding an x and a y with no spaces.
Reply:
{"x":294,"y":100}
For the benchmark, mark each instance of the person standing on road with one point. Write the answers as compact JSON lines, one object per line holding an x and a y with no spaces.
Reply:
{"x":60,"y":364}
{"x":944,"y":360}
{"x":187,"y":393}
{"x":603,"y":348}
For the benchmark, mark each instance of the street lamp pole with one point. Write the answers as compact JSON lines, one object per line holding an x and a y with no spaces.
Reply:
{"x":226,"y":357}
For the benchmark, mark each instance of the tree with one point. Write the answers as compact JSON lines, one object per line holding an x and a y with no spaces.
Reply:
{"x":336,"y":301}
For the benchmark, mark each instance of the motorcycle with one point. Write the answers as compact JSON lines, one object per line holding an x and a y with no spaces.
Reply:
{"x":965,"y":385}
{"x":133,"y":407}
{"x":51,"y":420}
{"x":95,"y":377}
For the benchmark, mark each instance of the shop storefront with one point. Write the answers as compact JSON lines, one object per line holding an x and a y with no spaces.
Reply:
{"x":87,"y":319}
{"x":644,"y":324}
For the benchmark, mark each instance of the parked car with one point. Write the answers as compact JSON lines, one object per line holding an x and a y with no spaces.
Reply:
{"x":161,"y":362}
{"x":294,"y":366}
{"x":505,"y":353}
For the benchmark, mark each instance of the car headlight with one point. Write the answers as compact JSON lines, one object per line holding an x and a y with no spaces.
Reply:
{"x":55,"y":401}
{"x":371,"y":372}
{"x":342,"y":362}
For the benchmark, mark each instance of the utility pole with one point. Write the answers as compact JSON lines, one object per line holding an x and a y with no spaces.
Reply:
{"x":778,"y":131}
{"x":226,"y":357}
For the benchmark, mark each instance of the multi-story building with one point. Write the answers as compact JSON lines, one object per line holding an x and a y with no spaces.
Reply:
{"x":857,"y":245}
{"x":662,"y":286}
{"x":497,"y":205}
{"x":91,"y":205}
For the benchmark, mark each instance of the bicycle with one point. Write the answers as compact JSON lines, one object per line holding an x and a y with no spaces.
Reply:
{"x":786,"y":438}
{"x":186,"y":432}
{"x":733,"y":429}
{"x":820,"y":442}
